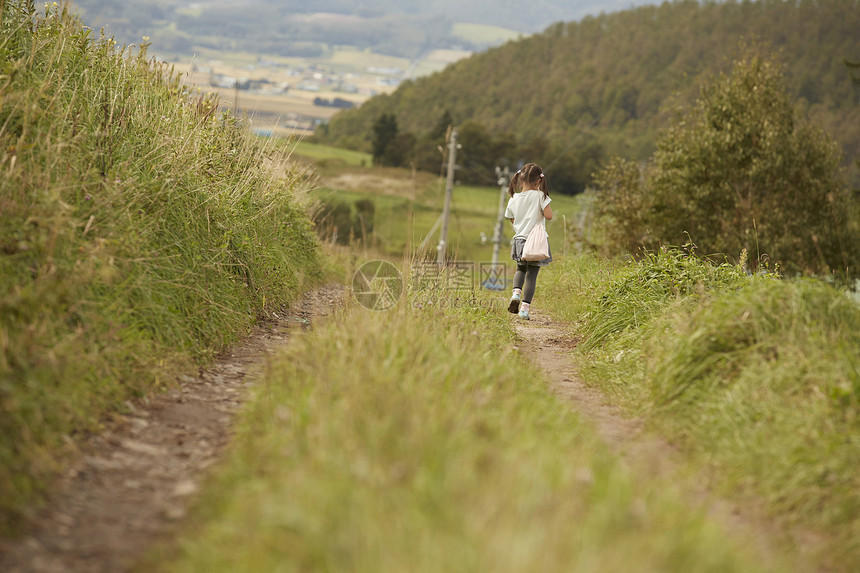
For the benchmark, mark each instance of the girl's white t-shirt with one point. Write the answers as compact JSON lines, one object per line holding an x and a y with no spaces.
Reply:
{"x":523,"y":209}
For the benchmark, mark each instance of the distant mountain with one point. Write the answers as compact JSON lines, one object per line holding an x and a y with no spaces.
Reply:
{"x":602,"y":85}
{"x":527,"y":17}
{"x":405,"y":28}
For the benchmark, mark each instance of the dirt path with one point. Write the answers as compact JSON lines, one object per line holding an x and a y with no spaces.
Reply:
{"x":132,"y":482}
{"x":550,"y":343}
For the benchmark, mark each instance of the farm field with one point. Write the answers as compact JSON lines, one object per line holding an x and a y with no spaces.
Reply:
{"x":281,"y":99}
{"x":483,"y":33}
{"x":324,"y":153}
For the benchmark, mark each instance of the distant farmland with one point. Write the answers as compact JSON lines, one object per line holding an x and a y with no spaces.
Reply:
{"x":282,"y":90}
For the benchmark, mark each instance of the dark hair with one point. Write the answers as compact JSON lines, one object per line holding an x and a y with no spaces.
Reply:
{"x":530,"y":175}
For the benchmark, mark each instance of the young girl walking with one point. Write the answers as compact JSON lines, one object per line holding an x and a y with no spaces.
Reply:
{"x":527,"y":207}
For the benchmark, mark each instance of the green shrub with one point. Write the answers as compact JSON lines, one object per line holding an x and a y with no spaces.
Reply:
{"x":640,"y":291}
{"x":341,"y":222}
{"x":741,"y":171}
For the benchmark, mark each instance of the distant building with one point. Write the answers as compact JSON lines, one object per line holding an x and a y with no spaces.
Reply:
{"x":336,"y":102}
{"x":387,"y":82}
{"x":220,"y":81}
{"x":385,"y":71}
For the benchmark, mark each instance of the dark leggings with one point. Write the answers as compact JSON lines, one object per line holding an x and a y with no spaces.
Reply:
{"x":526,"y":274}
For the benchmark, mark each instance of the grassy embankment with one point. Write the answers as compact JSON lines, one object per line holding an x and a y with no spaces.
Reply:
{"x":419,"y":439}
{"x":756,"y":378}
{"x":407,"y":205}
{"x":140,"y":232}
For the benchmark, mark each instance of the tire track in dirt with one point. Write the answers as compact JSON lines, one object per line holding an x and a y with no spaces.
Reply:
{"x":550,"y":343}
{"x":130,"y":485}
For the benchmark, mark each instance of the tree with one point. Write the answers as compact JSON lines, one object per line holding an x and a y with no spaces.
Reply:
{"x":482,"y":153}
{"x":440,"y":130}
{"x":569,"y":166}
{"x":855,"y":68}
{"x":385,"y":136}
{"x":430,"y":154}
{"x":623,"y":205}
{"x":744,"y":171}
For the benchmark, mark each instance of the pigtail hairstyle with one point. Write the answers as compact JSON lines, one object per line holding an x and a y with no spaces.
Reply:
{"x":542,"y":184}
{"x":532,"y":178}
{"x":514,"y":184}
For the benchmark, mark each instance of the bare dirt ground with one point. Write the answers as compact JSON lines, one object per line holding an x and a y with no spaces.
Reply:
{"x":131,"y":484}
{"x":551,"y":343}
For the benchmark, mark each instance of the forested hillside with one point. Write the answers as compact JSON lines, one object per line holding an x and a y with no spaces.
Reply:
{"x":583,"y":91}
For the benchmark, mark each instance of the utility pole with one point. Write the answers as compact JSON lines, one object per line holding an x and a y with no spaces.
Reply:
{"x":441,"y":248}
{"x":504,"y":176}
{"x":236,"y":98}
{"x":504,"y":180}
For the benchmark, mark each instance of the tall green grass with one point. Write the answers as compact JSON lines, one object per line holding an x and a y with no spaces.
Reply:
{"x":419,"y":439}
{"x":640,"y":291}
{"x":757,"y":378}
{"x":139,"y":229}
